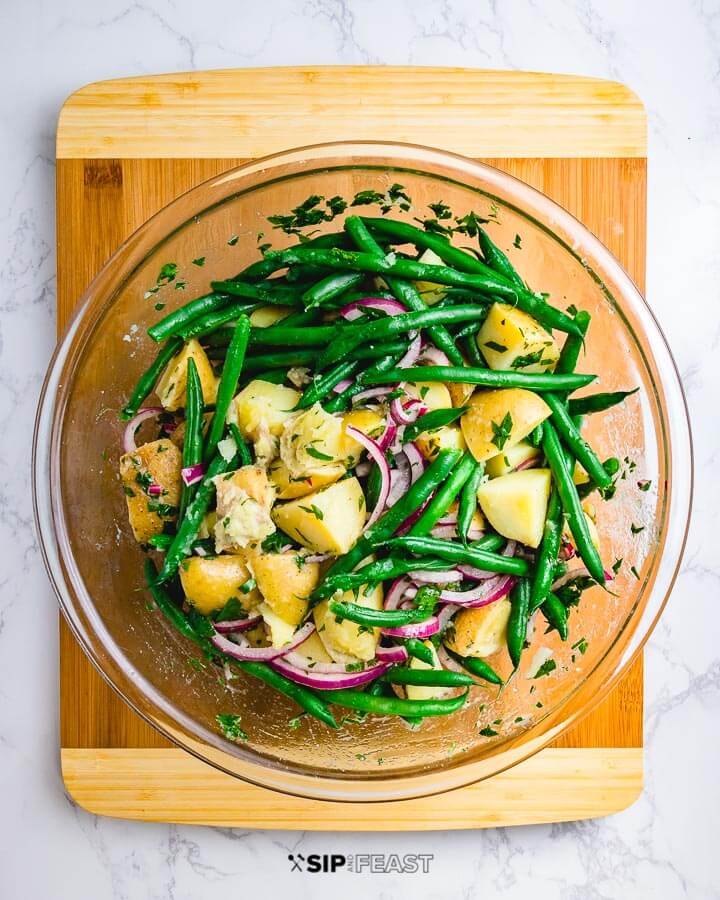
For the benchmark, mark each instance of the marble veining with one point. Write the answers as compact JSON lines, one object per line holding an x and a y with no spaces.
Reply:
{"x":665,"y":845}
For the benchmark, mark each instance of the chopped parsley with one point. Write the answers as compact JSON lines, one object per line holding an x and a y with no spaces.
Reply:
{"x":232,"y":610}
{"x":314,"y":511}
{"x":581,"y":645}
{"x":230,"y":727}
{"x":546,"y":668}
{"x":635,"y":572}
{"x":502,"y":432}
{"x":200,"y":261}
{"x":233,"y":240}
{"x":167,"y":273}
{"x":644,"y":485}
{"x":316,"y":454}
{"x":488,"y":732}
{"x":517,"y":242}
{"x":528,"y":359}
{"x":441,"y":210}
{"x":636,"y":529}
{"x":493,"y":345}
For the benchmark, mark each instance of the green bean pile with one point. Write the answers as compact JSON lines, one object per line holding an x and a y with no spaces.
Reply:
{"x":450,"y":530}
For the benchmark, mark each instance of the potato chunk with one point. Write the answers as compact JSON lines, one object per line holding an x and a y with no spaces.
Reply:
{"x":511,"y":458}
{"x":480,"y":632}
{"x":369,"y":421}
{"x":327,"y":521}
{"x":449,"y":437}
{"x":516,"y":504}
{"x":244,"y":498}
{"x":289,"y":487}
{"x":511,"y":339}
{"x":310,"y":441}
{"x":173,"y":382}
{"x":434,"y":394}
{"x":260,"y":410}
{"x":158,"y":462}
{"x":429,"y":290}
{"x":498,"y":419}
{"x":269,"y":315}
{"x":285,"y":582}
{"x":210,"y":582}
{"x":347,"y":638}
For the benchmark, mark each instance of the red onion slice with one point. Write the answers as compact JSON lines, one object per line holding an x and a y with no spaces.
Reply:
{"x":243,"y":650}
{"x":342,"y":386}
{"x":193,"y":474}
{"x":384,"y":304}
{"x":129,"y":445}
{"x":443,"y":531}
{"x":416,"y":460}
{"x":328,"y":681}
{"x":446,"y":614}
{"x":484,"y":594}
{"x":429,"y":577}
{"x":376,"y":452}
{"x":234,"y":625}
{"x":406,"y":413}
{"x":394,"y":654}
{"x":529,"y":463}
{"x":300,"y":661}
{"x":396,"y":593}
{"x":450,"y":518}
{"x":434,"y":356}
{"x":371,"y":393}
{"x":447,"y":662}
{"x":412,"y":353}
{"x":399,"y":485}
{"x":318,"y":557}
{"x":475,"y":574}
{"x":154,"y":490}
{"x":415,"y":629}
{"x":580,"y":572}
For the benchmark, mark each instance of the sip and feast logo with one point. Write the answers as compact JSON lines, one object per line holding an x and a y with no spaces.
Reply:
{"x":374,"y":863}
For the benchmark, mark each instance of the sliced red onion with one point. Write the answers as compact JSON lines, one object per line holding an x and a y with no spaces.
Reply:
{"x":193,"y":474}
{"x":567,"y":551}
{"x":388,"y":436}
{"x":396,"y":593}
{"x":376,"y":452}
{"x":426,"y":576}
{"x":529,"y":463}
{"x":475,"y":574}
{"x":509,"y":549}
{"x":354,"y":310}
{"x":443,"y":531}
{"x":363,"y":468}
{"x":416,"y":460}
{"x":370,"y":393}
{"x":450,"y":518}
{"x":484,"y":594}
{"x":406,"y":413}
{"x":415,"y":629}
{"x":399,"y":484}
{"x":300,"y":661}
{"x":446,"y":614}
{"x":154,"y":490}
{"x":318,"y":557}
{"x":447,"y":662}
{"x":234,"y":625}
{"x":434,"y":356}
{"x":475,"y":534}
{"x":129,"y":445}
{"x":412,"y":353}
{"x":243,"y":651}
{"x":394,"y":654}
{"x":169,"y":427}
{"x":329,"y":681}
{"x":342,"y":386}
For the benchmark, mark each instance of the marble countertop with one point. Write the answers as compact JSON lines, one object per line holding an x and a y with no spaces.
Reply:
{"x":662,"y":847}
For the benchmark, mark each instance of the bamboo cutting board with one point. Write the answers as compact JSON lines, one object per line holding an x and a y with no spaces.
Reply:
{"x":126,"y":148}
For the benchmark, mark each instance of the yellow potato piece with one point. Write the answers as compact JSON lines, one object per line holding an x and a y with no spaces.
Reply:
{"x":434,"y":394}
{"x":269,"y":315}
{"x":289,"y":487}
{"x":310,"y":441}
{"x":510,"y":459}
{"x":281,"y":632}
{"x":369,"y":421}
{"x":516,"y":504}
{"x":345,"y":637}
{"x":460,"y":392}
{"x":158,"y":462}
{"x":515,"y":411}
{"x":285,"y":585}
{"x":209,"y":582}
{"x":261,"y":403}
{"x":527,"y":346}
{"x":449,"y":437}
{"x":429,"y":290}
{"x":244,"y":498}
{"x":173,"y":382}
{"x":480,"y":632}
{"x":327,"y":521}
{"x":419,"y":692}
{"x":314,"y":649}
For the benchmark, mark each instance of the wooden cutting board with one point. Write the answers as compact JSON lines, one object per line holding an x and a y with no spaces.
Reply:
{"x":126,"y":148}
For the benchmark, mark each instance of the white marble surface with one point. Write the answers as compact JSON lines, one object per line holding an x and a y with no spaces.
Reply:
{"x":665,"y":845}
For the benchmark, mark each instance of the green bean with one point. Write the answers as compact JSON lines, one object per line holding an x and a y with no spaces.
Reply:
{"x":579,"y":447}
{"x":171,"y":611}
{"x":330,"y":287}
{"x":192,"y":449}
{"x":375,"y":572}
{"x":404,"y":291}
{"x":427,"y":677}
{"x":597,"y":402}
{"x":518,"y":621}
{"x":390,"y":521}
{"x":228,"y":385}
{"x":444,"y":496}
{"x":431,"y":421}
{"x":477,"y":667}
{"x":612,"y":467}
{"x":161,"y":542}
{"x":415,"y":647}
{"x":486,"y":377}
{"x":301,"y":317}
{"x":341,"y":400}
{"x":544,"y":573}
{"x":204,"y":325}
{"x":497,"y":260}
{"x":472,"y":555}
{"x":491,"y":283}
{"x":394,"y":706}
{"x":189,"y":526}
{"x":535,"y":436}
{"x":302,"y":357}
{"x":570,"y":352}
{"x":556,"y":614}
{"x":242,"y":448}
{"x":280,"y":336}
{"x":148,"y":379}
{"x":378,"y":618}
{"x":173,"y":322}
{"x":473,"y":352}
{"x":260,"y":293}
{"x":321,"y":385}
{"x":468,"y":501}
{"x":571,"y":503}
{"x":380,"y":329}
{"x":274,"y":376}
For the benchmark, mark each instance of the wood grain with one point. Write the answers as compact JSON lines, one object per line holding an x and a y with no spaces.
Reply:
{"x":170,"y":785}
{"x":254,"y":112}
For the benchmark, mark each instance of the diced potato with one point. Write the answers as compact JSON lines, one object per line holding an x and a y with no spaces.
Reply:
{"x":449,"y":437}
{"x":513,"y":411}
{"x":289,"y":487}
{"x":207,"y":526}
{"x":429,"y":290}
{"x":511,"y":339}
{"x":260,"y":410}
{"x":314,"y":649}
{"x":516,"y":504}
{"x":418,"y":692}
{"x":434,"y":394}
{"x":269,"y":315}
{"x":173,"y":382}
{"x":511,"y":458}
{"x":244,"y":498}
{"x":345,"y":637}
{"x":580,"y":476}
{"x":480,"y":632}
{"x":158,"y":462}
{"x":284,"y":584}
{"x":209,"y":582}
{"x":369,"y":421}
{"x":310,"y":441}
{"x":460,"y":392}
{"x":327,"y":521}
{"x":281,"y":632}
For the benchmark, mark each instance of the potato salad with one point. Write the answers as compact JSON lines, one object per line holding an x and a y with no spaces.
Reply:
{"x":364,"y":475}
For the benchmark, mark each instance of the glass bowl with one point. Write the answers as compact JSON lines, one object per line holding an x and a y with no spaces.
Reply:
{"x":96,"y":567}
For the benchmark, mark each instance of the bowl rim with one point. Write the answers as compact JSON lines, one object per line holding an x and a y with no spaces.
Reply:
{"x":291,"y":781}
